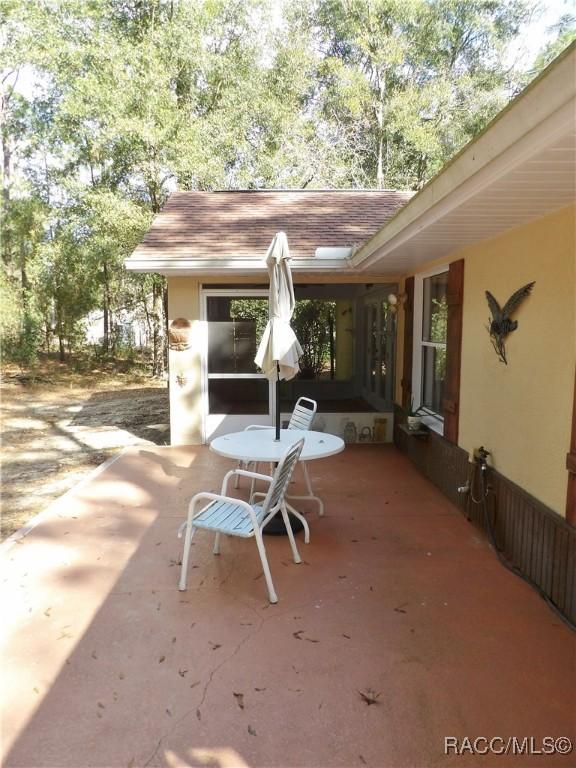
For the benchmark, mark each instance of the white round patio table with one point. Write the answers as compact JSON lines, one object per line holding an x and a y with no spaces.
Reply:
{"x":258,"y":445}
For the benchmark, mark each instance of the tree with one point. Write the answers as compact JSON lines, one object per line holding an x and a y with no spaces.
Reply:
{"x":408,"y":82}
{"x":314,"y":322}
{"x":564,"y":34}
{"x":136,"y":98}
{"x":133,"y":99}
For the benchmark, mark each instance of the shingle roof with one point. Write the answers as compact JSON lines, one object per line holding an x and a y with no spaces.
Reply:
{"x":242,"y":224}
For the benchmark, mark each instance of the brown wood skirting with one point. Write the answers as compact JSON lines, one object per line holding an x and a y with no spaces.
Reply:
{"x":539,"y":543}
{"x":571,"y":467}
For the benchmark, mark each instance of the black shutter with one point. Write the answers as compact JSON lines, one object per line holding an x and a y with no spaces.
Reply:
{"x":408,"y":342}
{"x":451,"y":400}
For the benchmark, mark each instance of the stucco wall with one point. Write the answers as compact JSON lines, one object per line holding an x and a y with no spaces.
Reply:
{"x":186,"y":366}
{"x":521,"y":412}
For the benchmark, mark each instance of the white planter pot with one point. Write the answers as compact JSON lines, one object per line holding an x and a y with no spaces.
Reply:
{"x":413,"y":423}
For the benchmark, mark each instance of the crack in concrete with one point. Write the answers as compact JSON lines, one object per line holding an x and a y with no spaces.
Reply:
{"x":244,"y":640}
{"x":198,"y":708}
{"x":326,"y":596}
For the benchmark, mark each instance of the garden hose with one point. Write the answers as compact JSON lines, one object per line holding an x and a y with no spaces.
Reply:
{"x":480,"y":466}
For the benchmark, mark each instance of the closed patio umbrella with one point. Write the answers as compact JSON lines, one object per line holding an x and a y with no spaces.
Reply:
{"x":279,"y":349}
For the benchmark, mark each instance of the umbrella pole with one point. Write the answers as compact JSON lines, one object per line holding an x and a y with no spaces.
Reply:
{"x":276,"y":525}
{"x":277,"y":417}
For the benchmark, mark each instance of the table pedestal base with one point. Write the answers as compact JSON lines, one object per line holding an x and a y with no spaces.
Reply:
{"x":276,"y":526}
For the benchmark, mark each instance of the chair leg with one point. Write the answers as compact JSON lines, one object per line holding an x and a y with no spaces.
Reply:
{"x":255,"y":468}
{"x":303,"y":520}
{"x":267,"y":575}
{"x":190,"y":531}
{"x":311,"y":490}
{"x":241,"y":465}
{"x":216,"y":549}
{"x":295,"y":553}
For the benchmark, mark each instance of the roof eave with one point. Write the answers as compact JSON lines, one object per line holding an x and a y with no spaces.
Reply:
{"x":233,"y":266}
{"x":537,"y":115}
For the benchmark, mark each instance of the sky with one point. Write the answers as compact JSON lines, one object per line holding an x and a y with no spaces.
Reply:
{"x":535,"y":35}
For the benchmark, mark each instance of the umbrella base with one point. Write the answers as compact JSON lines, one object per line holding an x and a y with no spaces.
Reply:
{"x":276,"y":526}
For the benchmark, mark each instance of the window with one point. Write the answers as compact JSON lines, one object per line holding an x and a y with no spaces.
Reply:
{"x":429,"y":363}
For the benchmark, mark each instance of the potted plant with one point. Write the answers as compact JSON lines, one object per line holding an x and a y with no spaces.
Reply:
{"x":413,"y":417}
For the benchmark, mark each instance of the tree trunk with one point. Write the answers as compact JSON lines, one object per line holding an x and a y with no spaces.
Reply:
{"x":165,"y":312}
{"x":106,"y":302}
{"x":382,"y":138}
{"x":144,"y":300}
{"x":421,"y":171}
{"x":158,"y":286}
{"x":157,"y":335}
{"x":47,"y":336}
{"x":6,"y":177}
{"x":61,"y":332}
{"x":380,"y":169}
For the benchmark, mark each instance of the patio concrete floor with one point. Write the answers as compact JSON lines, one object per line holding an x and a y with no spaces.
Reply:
{"x":105,"y":663}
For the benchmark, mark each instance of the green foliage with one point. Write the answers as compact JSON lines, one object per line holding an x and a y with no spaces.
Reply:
{"x":251,"y":309}
{"x":439,"y":333}
{"x":410,"y":81}
{"x":565,"y":30}
{"x":20,"y":323}
{"x":129,"y":100}
{"x":313,"y":322}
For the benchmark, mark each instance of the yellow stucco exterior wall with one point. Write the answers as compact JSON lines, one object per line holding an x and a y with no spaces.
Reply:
{"x":186,"y":366}
{"x":522,"y":411}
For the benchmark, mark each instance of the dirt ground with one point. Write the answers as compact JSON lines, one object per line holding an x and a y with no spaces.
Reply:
{"x":57,"y":427}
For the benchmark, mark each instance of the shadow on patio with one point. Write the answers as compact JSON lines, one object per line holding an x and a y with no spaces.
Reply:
{"x":107,"y":664}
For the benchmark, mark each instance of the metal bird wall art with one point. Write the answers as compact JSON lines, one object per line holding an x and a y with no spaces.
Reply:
{"x":500,"y":324}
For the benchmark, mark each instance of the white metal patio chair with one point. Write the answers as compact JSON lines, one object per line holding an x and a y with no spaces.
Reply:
{"x":301,"y":418}
{"x":234,"y":517}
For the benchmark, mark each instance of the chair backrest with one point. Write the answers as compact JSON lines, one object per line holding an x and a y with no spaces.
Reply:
{"x":302,"y":414}
{"x":282,"y":476}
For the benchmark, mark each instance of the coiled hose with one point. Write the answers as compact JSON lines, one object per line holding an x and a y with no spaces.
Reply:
{"x":480,"y":469}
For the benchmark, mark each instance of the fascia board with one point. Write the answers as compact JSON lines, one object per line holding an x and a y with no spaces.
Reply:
{"x":541,"y":113}
{"x":183,"y":266}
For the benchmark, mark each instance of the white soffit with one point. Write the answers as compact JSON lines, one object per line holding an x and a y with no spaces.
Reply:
{"x":522,"y":167}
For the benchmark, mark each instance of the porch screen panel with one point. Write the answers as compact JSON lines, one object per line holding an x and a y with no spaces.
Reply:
{"x":235,"y":385}
{"x":380,"y":336}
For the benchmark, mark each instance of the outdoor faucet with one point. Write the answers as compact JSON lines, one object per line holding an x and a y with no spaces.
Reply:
{"x":481,"y":457}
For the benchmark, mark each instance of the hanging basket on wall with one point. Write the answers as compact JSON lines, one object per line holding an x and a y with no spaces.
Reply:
{"x":179,"y":334}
